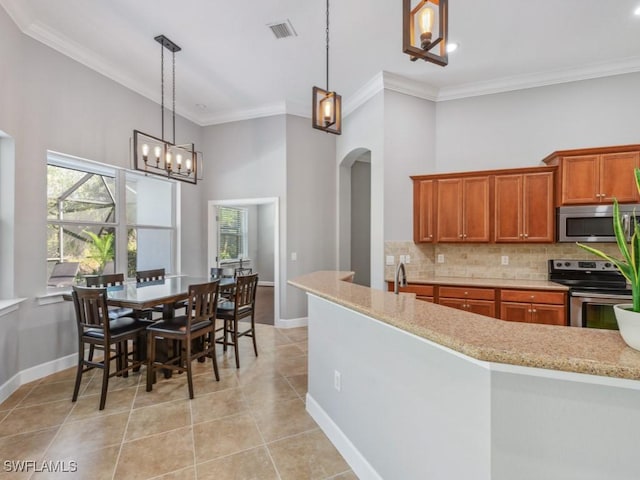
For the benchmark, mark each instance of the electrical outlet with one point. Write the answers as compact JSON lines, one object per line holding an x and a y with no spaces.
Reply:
{"x":402,"y":259}
{"x":294,"y":256}
{"x":504,"y":260}
{"x":337,"y":380}
{"x":391,"y":260}
{"x":440,"y":258}
{"x":407,"y":259}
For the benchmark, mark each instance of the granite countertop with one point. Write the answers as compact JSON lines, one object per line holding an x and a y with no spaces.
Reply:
{"x":580,"y":350}
{"x":486,"y":282}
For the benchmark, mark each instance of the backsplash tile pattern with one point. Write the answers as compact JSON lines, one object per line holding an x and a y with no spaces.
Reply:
{"x":475,"y":260}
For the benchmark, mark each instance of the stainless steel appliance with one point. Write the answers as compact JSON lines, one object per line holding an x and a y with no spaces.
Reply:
{"x":595,"y":287}
{"x":593,"y":223}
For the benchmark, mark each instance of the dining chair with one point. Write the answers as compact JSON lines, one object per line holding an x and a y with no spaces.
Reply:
{"x":240,"y":305}
{"x":143,"y":276}
{"x":198,"y":324}
{"x":109,"y":280}
{"x":242,"y":271}
{"x":112,"y":336}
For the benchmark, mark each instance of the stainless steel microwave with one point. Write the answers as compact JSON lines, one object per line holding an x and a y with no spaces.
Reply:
{"x":594,"y":223}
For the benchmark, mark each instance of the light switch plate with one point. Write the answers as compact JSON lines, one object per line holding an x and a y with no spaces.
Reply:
{"x":440,"y":258}
{"x":504,"y":260}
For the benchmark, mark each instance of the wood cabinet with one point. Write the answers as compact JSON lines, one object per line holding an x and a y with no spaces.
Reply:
{"x":423,"y":292}
{"x":423,"y":211}
{"x":463,"y":209}
{"x":533,"y":306}
{"x":524,"y":207}
{"x":473,"y":299}
{"x":597,"y":175}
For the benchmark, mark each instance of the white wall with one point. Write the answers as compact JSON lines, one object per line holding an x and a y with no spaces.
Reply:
{"x":361,"y":220}
{"x":311,"y":206}
{"x":520,"y":128}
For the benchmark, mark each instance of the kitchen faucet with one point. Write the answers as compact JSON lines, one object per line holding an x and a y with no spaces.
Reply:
{"x":399,"y":282}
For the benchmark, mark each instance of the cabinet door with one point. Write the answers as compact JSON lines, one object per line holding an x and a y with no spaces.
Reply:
{"x":548,"y":314}
{"x":423,"y":200}
{"x":508,"y":208}
{"x":476,"y":223}
{"x":458,"y":303}
{"x":515,"y":312}
{"x":616,"y":177}
{"x":482,"y":307}
{"x":449,"y":193}
{"x":580,"y":180}
{"x":425,"y":299}
{"x":538,"y":208}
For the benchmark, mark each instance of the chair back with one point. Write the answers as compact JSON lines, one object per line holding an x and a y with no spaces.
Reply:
{"x":203,"y":300}
{"x":91,"y":309}
{"x":217,"y":272}
{"x":245,"y":290}
{"x":143,"y":276}
{"x":242,"y":271}
{"x":101,"y":281}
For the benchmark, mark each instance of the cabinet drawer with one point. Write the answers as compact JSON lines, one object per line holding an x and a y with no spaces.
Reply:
{"x":465,"y":292}
{"x":533,"y":296}
{"x":419,"y":290}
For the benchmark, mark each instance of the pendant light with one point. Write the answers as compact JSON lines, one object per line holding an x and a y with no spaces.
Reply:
{"x":425,"y":30}
{"x":327,"y":105}
{"x":159,"y":156}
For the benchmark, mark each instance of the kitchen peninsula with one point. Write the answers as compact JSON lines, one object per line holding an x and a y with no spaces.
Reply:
{"x":408,"y":389}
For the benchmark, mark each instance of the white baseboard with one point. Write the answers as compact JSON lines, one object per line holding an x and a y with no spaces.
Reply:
{"x":35,"y":373}
{"x":291,"y":322}
{"x":360,"y":466}
{"x":265,"y":283}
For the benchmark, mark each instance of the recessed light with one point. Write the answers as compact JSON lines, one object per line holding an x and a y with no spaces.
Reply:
{"x":637,"y":11}
{"x":452,"y":47}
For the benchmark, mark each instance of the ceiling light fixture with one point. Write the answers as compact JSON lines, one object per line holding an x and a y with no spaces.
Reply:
{"x":179,"y":162}
{"x":419,"y":37}
{"x":327,"y":105}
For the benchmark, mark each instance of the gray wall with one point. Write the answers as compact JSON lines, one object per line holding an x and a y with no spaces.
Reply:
{"x":520,"y":128}
{"x":311,"y":206}
{"x":48,"y":101}
{"x":266,"y":248}
{"x":361,"y":219}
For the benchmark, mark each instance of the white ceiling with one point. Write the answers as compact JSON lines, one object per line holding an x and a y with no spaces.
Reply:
{"x":231,"y":62}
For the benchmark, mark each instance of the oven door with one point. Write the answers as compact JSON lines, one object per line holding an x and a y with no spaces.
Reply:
{"x":594,"y":310}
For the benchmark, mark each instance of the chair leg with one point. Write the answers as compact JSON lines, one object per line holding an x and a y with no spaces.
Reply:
{"x":151,"y":357}
{"x":124,"y":363}
{"x":235,"y":341}
{"x":76,"y":388}
{"x":225,"y":335}
{"x":212,"y":352}
{"x":253,"y":335}
{"x":187,"y":357}
{"x":105,"y":381}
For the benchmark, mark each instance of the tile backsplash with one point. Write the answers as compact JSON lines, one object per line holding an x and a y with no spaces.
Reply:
{"x":477,"y":260}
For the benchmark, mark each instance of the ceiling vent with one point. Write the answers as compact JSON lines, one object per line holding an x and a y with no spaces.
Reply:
{"x":283,"y":29}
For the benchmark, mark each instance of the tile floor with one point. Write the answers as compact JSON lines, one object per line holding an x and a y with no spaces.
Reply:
{"x":250,"y":425}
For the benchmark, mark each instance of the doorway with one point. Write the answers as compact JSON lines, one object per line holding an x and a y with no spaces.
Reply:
{"x":253,"y":242}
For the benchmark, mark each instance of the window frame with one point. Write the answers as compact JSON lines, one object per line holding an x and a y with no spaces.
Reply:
{"x":244,"y":233}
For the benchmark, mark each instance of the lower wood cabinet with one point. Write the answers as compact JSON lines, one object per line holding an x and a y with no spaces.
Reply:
{"x":476,"y":300}
{"x":533,"y":306}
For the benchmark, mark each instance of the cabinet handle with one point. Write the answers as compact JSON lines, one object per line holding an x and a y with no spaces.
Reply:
{"x":529,"y":311}
{"x":430,"y":236}
{"x":466,"y":293}
{"x":526,"y":235}
{"x":534,"y":310}
{"x":460,"y":235}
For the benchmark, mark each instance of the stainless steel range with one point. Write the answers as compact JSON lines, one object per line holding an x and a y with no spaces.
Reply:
{"x":595,"y":287}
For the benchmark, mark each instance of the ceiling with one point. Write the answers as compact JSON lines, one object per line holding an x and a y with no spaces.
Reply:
{"x":232,"y":67}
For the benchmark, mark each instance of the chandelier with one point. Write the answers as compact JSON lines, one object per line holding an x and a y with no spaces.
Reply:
{"x":425,"y":30}
{"x":159,"y":156}
{"x":327,"y":105}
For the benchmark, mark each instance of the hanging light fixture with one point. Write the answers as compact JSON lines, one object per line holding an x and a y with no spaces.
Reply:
{"x":157,"y":155}
{"x":425,"y":30}
{"x":327,"y":105}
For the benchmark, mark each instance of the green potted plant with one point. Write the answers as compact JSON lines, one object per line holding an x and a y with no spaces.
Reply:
{"x":627,"y":315}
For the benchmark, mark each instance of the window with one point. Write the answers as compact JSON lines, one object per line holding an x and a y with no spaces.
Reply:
{"x":232,"y":233}
{"x":92,"y":209}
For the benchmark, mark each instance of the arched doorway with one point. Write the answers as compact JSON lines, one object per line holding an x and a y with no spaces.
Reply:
{"x":354,"y":242}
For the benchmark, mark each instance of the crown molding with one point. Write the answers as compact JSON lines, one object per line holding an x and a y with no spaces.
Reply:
{"x":522,"y":82}
{"x":400,"y":84}
{"x":246,"y":114}
{"x":363,"y":94}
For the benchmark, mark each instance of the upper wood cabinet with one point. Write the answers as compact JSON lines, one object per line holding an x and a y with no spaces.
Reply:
{"x":423,"y":210}
{"x":596,"y":175}
{"x":463,"y":209}
{"x":524,"y":207}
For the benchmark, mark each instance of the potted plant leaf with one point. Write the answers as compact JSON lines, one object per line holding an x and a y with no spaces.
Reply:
{"x":627,"y":315}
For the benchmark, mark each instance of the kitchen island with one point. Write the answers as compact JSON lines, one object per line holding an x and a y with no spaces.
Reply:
{"x":408,"y":389}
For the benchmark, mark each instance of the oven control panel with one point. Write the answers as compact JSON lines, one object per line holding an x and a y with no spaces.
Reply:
{"x":582,"y":265}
